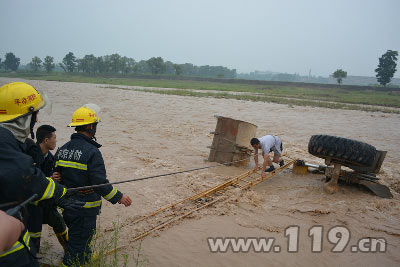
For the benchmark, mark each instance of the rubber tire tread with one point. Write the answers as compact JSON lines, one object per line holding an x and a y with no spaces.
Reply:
{"x":342,"y":150}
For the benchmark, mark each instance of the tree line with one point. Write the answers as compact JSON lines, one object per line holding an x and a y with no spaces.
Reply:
{"x":117,"y":64}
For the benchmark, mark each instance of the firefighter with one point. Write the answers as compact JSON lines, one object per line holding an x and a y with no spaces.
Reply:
{"x":80,"y":163}
{"x":44,"y":159}
{"x":19,"y":179}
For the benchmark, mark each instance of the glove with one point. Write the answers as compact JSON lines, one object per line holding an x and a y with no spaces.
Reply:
{"x":70,"y":204}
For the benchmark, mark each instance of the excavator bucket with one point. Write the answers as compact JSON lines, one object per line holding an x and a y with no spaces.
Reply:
{"x":378,"y":189}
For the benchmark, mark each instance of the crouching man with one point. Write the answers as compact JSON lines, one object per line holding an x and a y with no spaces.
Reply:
{"x":268,"y":143}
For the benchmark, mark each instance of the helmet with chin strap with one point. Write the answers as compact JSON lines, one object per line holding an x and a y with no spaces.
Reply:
{"x":84,"y":116}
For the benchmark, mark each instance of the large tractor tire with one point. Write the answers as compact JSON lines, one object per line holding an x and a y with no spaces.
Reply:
{"x":345,"y":151}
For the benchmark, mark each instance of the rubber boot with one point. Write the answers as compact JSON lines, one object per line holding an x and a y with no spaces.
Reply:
{"x":270,"y":169}
{"x":63,"y":239}
{"x":281,"y":163}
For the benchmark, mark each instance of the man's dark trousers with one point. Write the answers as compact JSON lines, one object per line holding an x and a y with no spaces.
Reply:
{"x":81,"y":230}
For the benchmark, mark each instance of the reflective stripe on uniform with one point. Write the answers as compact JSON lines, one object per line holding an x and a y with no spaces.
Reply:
{"x":111,"y":194}
{"x":64,"y":192}
{"x":18,"y":245}
{"x":71,"y":164}
{"x":49,"y":192}
{"x":63,"y":233}
{"x":92,"y":204}
{"x":35,"y":235}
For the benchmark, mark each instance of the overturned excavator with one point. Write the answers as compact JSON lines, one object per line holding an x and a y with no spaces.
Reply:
{"x":364,"y":160}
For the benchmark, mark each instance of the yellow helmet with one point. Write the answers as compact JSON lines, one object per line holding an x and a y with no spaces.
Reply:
{"x":84,"y":116}
{"x":18,"y":99}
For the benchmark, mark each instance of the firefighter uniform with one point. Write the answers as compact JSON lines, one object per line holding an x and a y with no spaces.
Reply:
{"x":19,"y":180}
{"x":81,"y":164}
{"x":35,"y":219}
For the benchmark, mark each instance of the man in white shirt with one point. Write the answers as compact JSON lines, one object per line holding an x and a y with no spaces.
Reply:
{"x":268,"y":143}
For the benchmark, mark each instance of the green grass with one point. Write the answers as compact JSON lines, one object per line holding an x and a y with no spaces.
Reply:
{"x":286,"y":94}
{"x":272,"y":99}
{"x":105,"y":251}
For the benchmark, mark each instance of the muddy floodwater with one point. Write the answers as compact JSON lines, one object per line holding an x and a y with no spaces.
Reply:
{"x":145,"y":134}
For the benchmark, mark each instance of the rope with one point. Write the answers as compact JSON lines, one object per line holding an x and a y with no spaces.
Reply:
{"x":132,"y":180}
{"x":138,"y":179}
{"x":151,"y":177}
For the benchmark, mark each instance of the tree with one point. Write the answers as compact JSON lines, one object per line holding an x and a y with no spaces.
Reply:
{"x":115,"y":63}
{"x":141,"y":67}
{"x":131,"y":64}
{"x":386,"y":67}
{"x":169,"y":68}
{"x":35,"y":64}
{"x":100,"y":65}
{"x":62,"y":66}
{"x":188,"y":69}
{"x":49,"y":63}
{"x":127,"y":64}
{"x":11,"y":62}
{"x":69,"y":62}
{"x":339,"y":75}
{"x":87,"y":64}
{"x":178,"y":69}
{"x":156,"y":65}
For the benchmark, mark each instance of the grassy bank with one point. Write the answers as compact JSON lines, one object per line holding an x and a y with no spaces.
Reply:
{"x":279,"y":100}
{"x":331,"y":97}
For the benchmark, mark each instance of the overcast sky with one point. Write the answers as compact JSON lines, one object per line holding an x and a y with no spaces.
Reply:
{"x":290,"y":36}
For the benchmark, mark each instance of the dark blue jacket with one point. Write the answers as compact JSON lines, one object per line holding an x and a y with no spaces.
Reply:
{"x":36,"y":213}
{"x":81,"y":164}
{"x":45,"y":163}
{"x":19,"y":180}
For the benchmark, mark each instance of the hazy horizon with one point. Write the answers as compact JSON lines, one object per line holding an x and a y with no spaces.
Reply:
{"x":288,"y":37}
